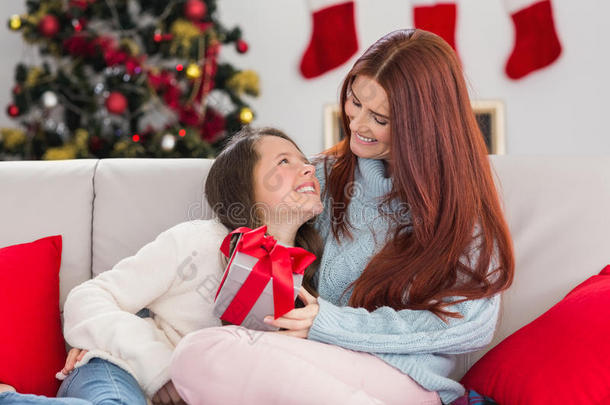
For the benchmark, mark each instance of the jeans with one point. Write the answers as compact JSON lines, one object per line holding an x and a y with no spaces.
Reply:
{"x":13,"y":398}
{"x":101,"y":382}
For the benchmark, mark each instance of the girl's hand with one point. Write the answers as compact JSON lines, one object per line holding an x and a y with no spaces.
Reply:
{"x":167,"y":395}
{"x":74,"y":356}
{"x":299,"y":320}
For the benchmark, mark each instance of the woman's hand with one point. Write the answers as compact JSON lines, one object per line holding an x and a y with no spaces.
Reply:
{"x":299,"y":320}
{"x":74,"y":356}
{"x":167,"y":395}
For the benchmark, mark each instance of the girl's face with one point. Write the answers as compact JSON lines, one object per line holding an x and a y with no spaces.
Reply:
{"x":367,"y":108}
{"x":285,"y":185}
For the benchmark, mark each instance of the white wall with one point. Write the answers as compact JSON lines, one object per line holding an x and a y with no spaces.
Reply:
{"x":558,"y":110}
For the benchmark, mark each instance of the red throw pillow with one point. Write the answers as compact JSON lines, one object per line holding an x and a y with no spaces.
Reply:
{"x":32,"y":346}
{"x":562,"y":357}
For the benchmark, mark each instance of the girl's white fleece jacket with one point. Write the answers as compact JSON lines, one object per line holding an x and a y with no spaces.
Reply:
{"x":175,"y":276}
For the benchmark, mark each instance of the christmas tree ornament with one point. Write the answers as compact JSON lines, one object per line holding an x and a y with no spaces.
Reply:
{"x":135,"y":138}
{"x":246,"y":81}
{"x":168,"y":142}
{"x":241,"y":46}
{"x":49,"y":99}
{"x":12,"y":110}
{"x":536,"y":42}
{"x":78,"y":25}
{"x":14,"y":22}
{"x":333,"y":37}
{"x":438,"y":17}
{"x":246,"y":115}
{"x":182,"y":133}
{"x":195,"y":10}
{"x":193,"y":71}
{"x":48,"y":26}
{"x":116,"y":103}
{"x":179,"y":67}
{"x":157,"y":36}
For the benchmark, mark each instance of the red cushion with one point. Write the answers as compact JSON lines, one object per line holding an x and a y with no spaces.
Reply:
{"x":32,"y":346}
{"x":562,"y":357}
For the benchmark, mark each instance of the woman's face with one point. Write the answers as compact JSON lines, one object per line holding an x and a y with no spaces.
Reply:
{"x":368,"y":109}
{"x":285,"y":185}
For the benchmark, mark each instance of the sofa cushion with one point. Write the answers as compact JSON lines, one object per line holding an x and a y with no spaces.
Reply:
{"x":137,"y":199}
{"x":31,"y":342}
{"x":50,"y":198}
{"x":562,"y":357}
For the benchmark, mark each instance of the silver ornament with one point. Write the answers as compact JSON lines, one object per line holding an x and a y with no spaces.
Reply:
{"x":49,"y":99}
{"x":168,"y":142}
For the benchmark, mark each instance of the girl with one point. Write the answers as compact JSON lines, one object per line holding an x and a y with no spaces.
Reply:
{"x":416,"y":254}
{"x":260,"y":178}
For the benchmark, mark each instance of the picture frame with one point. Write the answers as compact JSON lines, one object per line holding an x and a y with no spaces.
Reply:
{"x":489,"y":114}
{"x":333,"y":130}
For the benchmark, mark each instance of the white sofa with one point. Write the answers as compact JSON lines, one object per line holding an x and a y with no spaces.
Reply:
{"x":558,"y":209}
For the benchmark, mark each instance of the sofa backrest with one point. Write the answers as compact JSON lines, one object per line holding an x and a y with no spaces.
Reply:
{"x":558,"y":210}
{"x":39,"y":199}
{"x":137,"y":199}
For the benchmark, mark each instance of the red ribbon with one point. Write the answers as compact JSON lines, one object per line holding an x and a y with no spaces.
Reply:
{"x":274,"y":261}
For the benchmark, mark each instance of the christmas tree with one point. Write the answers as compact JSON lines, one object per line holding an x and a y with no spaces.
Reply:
{"x":126,"y":78}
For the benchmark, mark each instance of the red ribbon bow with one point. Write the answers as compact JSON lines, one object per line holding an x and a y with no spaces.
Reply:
{"x":275,"y":261}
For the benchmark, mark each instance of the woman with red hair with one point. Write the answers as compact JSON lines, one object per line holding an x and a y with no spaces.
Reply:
{"x":417,"y":252}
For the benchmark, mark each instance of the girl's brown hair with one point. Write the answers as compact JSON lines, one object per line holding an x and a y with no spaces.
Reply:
{"x":229,"y":189}
{"x":439,"y":167}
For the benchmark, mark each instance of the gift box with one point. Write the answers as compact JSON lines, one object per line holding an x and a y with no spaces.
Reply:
{"x":262,"y":278}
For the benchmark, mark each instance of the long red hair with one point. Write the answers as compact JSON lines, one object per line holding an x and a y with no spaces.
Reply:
{"x":439,"y":167}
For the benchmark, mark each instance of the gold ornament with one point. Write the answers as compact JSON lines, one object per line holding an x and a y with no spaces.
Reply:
{"x":77,"y":148}
{"x":13,"y":138}
{"x":15,"y":22}
{"x":33,"y":76}
{"x":246,"y":115}
{"x":183,"y":33}
{"x":246,"y":81}
{"x":60,"y":153}
{"x":193,"y":71}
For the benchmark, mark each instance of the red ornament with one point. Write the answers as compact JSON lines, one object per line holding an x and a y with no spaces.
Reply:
{"x":12,"y":110}
{"x":78,"y":24}
{"x":242,"y":46}
{"x":157,"y":37}
{"x":49,"y":26}
{"x":135,"y":138}
{"x":116,"y":103}
{"x":195,"y":10}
